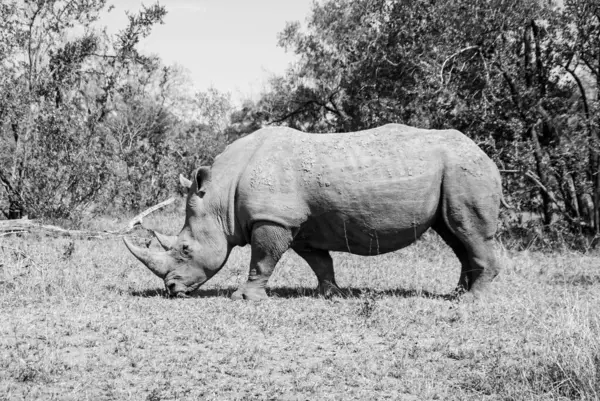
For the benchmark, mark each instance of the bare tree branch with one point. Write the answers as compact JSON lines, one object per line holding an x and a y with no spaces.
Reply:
{"x":453,"y":56}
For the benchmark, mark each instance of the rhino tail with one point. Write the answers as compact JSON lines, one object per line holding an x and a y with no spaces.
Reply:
{"x":504,"y":203}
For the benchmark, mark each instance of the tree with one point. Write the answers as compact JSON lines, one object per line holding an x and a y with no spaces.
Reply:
{"x":160,"y":130}
{"x":496,"y":70}
{"x":580,"y":58}
{"x":58,"y":89}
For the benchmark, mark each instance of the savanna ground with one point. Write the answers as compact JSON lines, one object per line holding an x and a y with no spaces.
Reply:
{"x":84,"y":320}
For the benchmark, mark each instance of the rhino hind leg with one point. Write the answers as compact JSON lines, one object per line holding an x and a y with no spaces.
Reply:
{"x":321,"y":263}
{"x":467,"y":275}
{"x":269,"y":242}
{"x":470,"y":239}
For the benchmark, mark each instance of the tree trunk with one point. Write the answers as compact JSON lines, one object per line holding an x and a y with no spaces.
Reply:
{"x":16,"y":204}
{"x":15,"y":211}
{"x":594,"y":160}
{"x":538,"y":154}
{"x":571,"y":192}
{"x":595,"y":167}
{"x":586,"y":206}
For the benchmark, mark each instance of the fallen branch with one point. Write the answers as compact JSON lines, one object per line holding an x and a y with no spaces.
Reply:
{"x":8,"y":227}
{"x":12,"y":232}
{"x":138,"y":219}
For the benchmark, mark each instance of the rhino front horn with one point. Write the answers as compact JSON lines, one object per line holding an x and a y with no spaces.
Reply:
{"x":166,"y":241}
{"x":157,"y":262}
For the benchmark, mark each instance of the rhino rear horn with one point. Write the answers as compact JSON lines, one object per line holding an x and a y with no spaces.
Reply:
{"x":166,"y":241}
{"x":158,"y":262}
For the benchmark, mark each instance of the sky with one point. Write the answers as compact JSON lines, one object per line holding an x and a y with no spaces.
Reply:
{"x":230,"y":45}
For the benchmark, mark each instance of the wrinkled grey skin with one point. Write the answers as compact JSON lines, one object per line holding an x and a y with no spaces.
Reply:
{"x":366,"y":193}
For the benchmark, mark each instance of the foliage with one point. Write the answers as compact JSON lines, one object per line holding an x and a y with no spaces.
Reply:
{"x":59,"y":89}
{"x":160,"y":132}
{"x":86,"y":120}
{"x":519,"y":77}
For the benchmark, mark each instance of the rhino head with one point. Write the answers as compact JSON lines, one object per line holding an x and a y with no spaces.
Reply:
{"x":198,"y":252}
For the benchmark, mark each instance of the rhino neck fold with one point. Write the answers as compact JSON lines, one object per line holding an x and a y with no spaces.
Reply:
{"x":220,"y":204}
{"x":228,"y":170}
{"x":208,"y":232}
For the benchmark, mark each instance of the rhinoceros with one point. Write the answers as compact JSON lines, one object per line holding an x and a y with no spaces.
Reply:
{"x":366,"y":193}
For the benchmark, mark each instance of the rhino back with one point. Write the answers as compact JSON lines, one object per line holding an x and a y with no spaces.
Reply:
{"x":344,"y":190}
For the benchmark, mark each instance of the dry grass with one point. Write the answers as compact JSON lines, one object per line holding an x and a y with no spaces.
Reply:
{"x":85,"y":320}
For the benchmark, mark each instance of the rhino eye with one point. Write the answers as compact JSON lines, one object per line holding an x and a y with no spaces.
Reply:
{"x":185,"y":249}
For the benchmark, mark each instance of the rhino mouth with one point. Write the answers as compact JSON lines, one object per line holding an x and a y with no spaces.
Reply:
{"x":181,"y":291}
{"x":178,"y":293}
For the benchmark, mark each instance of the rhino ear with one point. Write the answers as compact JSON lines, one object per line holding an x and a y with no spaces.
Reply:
{"x":202,"y":177}
{"x":184,"y":182}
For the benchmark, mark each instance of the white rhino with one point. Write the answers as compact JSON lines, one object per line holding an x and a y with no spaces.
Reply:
{"x":366,"y":193}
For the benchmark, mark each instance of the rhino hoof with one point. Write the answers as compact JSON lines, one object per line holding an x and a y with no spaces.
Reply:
{"x":468,"y":298}
{"x":475,"y":296}
{"x":236,"y":296}
{"x":329,"y":290}
{"x":250,"y":294}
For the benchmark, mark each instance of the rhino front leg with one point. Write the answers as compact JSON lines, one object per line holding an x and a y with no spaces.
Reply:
{"x":269,"y":242}
{"x":321,"y":263}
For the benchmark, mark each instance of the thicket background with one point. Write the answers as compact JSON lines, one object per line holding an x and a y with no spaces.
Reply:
{"x":89,"y":126}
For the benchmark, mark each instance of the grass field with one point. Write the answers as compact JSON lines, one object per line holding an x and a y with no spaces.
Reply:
{"x":85,"y":320}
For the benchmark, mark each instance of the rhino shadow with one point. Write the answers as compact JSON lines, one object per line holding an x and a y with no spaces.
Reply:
{"x":358,"y":292}
{"x":305,"y":292}
{"x":161,"y":292}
